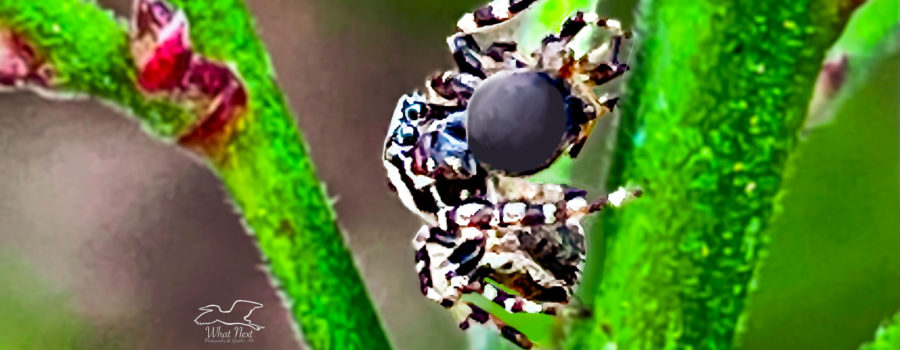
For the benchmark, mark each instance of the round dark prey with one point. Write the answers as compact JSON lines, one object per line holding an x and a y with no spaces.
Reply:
{"x":516,"y":121}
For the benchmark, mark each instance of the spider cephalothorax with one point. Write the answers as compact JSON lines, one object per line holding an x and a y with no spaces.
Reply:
{"x":456,"y":155}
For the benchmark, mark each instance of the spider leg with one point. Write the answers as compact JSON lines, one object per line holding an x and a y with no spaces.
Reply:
{"x":518,"y":204}
{"x":454,"y":87}
{"x":602,"y":64}
{"x":471,"y":58}
{"x":467,"y":55}
{"x":597,"y":67}
{"x":616,"y":198}
{"x":423,"y":266}
{"x":600,"y":71}
{"x":515,"y":303}
{"x":497,"y":12}
{"x":580,"y":20}
{"x":446,"y":262}
{"x":497,"y":50}
{"x":556,"y":45}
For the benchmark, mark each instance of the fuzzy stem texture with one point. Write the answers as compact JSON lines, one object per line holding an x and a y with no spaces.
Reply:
{"x":264,"y":164}
{"x":710,"y":116}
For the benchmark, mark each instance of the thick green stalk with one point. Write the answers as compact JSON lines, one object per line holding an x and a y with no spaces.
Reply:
{"x":711,"y":113}
{"x":265,"y":164}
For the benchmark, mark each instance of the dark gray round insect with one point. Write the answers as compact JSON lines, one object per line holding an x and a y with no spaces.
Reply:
{"x":517,"y":120}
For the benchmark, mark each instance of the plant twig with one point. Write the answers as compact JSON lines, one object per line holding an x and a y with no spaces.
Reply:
{"x":263,"y":161}
{"x":887,"y":336}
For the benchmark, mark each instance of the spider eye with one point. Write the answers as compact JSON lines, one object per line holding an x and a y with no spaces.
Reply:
{"x":413,"y":111}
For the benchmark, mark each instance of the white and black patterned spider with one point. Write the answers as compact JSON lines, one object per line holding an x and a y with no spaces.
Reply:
{"x":455,"y":154}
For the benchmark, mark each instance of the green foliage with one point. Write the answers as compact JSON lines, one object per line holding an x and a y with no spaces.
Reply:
{"x":710,"y":116}
{"x":887,"y":337}
{"x":872,"y":31}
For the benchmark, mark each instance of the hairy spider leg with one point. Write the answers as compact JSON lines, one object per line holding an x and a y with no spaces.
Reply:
{"x":451,"y":88}
{"x":584,"y":73}
{"x":447,"y":262}
{"x":492,"y":55}
{"x":474,"y":65}
{"x":467,"y":55}
{"x":516,"y":303}
{"x":602,"y":63}
{"x":596,"y":64}
{"x":496,"y":12}
{"x":547,"y":230}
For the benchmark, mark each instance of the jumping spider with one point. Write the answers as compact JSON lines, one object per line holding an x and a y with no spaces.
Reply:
{"x":483,"y":220}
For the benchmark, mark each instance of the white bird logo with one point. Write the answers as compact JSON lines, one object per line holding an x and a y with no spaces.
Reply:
{"x":214,"y":313}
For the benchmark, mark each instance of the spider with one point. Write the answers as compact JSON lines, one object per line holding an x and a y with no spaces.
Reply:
{"x":458,"y":152}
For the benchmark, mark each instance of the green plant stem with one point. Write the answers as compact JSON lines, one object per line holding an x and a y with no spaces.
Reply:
{"x":887,"y":337}
{"x":713,"y":106}
{"x":88,"y":51}
{"x":265,"y":165}
{"x":871,"y":34}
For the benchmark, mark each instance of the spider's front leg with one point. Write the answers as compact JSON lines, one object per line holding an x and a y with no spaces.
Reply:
{"x":604,"y":64}
{"x":453,"y":87}
{"x":584,"y":73}
{"x":496,"y":46}
{"x":471,"y":59}
{"x":601,"y":64}
{"x":496,"y":12}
